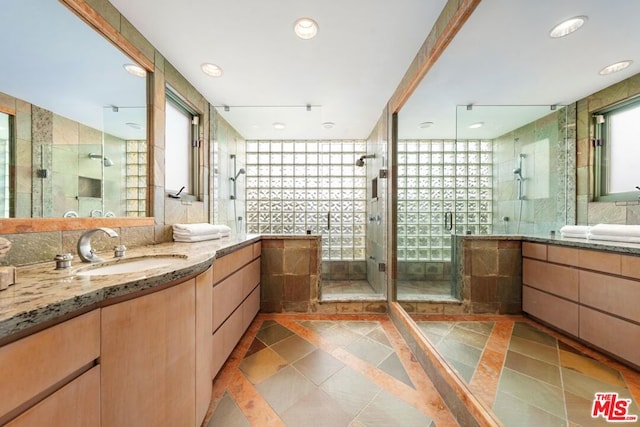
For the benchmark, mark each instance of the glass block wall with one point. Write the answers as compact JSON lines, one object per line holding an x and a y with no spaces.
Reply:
{"x":292,"y":186}
{"x":440,"y":181}
{"x":136,"y":193}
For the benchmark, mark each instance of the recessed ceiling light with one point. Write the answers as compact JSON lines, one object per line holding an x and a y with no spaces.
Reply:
{"x":614,"y":68}
{"x":425,"y":125}
{"x":134,"y":125}
{"x":567,"y":27}
{"x":279,"y":126}
{"x":211,"y":69}
{"x":305,"y":28}
{"x":328,"y":125}
{"x":135,"y":70}
{"x":476,"y":125}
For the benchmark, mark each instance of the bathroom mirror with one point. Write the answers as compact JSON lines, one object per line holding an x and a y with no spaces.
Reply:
{"x":77,"y":120}
{"x":486,"y":142}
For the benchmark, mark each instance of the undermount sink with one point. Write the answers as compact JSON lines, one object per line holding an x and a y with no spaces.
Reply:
{"x":129,"y":265}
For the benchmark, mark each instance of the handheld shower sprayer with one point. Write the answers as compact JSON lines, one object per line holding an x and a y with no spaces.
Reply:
{"x":241,"y":171}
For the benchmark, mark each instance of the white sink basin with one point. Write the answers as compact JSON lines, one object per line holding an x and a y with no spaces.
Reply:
{"x":128,"y":265}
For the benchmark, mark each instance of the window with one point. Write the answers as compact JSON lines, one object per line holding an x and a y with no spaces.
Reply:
{"x":617,"y":149}
{"x":181,"y":146}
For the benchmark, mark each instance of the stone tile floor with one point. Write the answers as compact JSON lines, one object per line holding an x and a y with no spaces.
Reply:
{"x":302,"y":370}
{"x":539,"y":377}
{"x":317,"y":370}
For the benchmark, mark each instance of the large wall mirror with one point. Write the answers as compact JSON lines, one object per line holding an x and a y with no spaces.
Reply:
{"x":73,"y":119}
{"x":486,"y":145}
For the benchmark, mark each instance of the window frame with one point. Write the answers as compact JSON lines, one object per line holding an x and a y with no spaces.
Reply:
{"x":602,"y":152}
{"x":193,"y":189}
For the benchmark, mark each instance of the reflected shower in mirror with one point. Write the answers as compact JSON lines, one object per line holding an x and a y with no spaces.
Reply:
{"x":80,"y":142}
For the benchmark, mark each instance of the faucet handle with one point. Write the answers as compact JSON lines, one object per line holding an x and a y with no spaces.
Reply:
{"x":119,"y":251}
{"x":63,"y":261}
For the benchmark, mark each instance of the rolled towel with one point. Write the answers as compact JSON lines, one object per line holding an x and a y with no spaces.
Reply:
{"x":623,"y":230}
{"x":200,"y":228}
{"x":610,"y":238}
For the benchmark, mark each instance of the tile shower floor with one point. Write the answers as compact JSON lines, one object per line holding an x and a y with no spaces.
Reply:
{"x":314,"y":370}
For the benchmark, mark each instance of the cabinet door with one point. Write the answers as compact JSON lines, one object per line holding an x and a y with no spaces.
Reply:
{"x":148,"y":359}
{"x":204,"y":339}
{"x":75,"y":404}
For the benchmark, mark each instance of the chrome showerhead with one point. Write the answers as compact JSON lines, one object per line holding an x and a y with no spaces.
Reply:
{"x":518,"y":173}
{"x":240,"y":172}
{"x":360,"y":161}
{"x":107,"y":162}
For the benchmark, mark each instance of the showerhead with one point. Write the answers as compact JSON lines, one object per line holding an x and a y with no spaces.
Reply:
{"x":518,"y":173}
{"x":360,"y":161}
{"x":240,"y":172}
{"x":106,"y":162}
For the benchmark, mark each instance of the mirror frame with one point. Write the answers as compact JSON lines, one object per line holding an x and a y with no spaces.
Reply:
{"x":33,"y":225}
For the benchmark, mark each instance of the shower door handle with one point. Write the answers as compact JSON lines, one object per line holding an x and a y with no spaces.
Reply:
{"x":448,"y":221}
{"x":329,"y":220}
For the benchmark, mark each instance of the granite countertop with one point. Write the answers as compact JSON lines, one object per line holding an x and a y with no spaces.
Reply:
{"x":42,"y":293}
{"x":599,"y":245}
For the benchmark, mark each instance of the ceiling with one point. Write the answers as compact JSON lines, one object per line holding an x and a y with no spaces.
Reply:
{"x":504,"y":56}
{"x":57,"y":62}
{"x":347,"y":73}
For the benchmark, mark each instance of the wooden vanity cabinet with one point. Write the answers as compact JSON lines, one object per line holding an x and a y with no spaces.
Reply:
{"x":148,"y":359}
{"x":592,"y":295}
{"x":235,"y":300}
{"x":49,"y":370}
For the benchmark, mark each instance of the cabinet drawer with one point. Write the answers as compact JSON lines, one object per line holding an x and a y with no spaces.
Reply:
{"x":562,"y":255}
{"x":75,"y":404}
{"x":610,"y":294}
{"x":39,"y":361}
{"x":556,"y":311}
{"x":611,"y":334}
{"x":250,"y":308}
{"x":555,"y":279}
{"x":224,"y":266}
{"x":227,"y":295}
{"x":251,"y":277}
{"x":600,"y":261}
{"x":534,"y":250}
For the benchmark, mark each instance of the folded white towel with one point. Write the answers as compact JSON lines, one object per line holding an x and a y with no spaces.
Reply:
{"x":198,"y":238}
{"x":625,"y":239}
{"x":623,"y":230}
{"x":200,"y":228}
{"x":574,"y":235}
{"x":575,"y":229}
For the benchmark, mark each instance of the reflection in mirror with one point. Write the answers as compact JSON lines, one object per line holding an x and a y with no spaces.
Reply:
{"x":80,"y":145}
{"x":5,"y":184}
{"x":467,"y":184}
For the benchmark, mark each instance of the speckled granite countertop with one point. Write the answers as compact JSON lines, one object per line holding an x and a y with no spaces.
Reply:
{"x":42,"y":293}
{"x":599,"y":245}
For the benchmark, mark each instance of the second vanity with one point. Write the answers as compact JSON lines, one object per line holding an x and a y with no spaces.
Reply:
{"x":136,"y":348}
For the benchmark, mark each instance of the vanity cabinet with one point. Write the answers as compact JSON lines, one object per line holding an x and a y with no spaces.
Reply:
{"x":50,"y":372}
{"x":235,"y":300}
{"x":77,"y":404}
{"x":592,"y":295}
{"x":148,"y":359}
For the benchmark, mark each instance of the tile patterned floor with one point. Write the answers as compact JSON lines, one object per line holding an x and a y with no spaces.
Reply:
{"x":331,"y":370}
{"x":307,"y":370}
{"x":338,"y":290}
{"x":529,"y":375}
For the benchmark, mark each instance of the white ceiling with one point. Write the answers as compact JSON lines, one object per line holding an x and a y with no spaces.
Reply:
{"x":54,"y":60}
{"x":504,"y":56}
{"x":347,"y":72}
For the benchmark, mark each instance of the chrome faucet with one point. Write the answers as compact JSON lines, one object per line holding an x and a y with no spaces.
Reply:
{"x":85,"y":252}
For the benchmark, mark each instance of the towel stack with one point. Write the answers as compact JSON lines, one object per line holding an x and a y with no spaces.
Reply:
{"x":615,"y":233}
{"x":199,"y":232}
{"x":575,"y":231}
